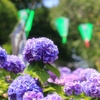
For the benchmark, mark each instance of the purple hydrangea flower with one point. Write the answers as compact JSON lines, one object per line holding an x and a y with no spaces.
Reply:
{"x":52,"y":75}
{"x":68,"y":89}
{"x":52,"y":97}
{"x":66,"y":78}
{"x":60,"y":81}
{"x":77,"y":71}
{"x":31,"y":51}
{"x":40,"y":49}
{"x":92,"y":75}
{"x":30,"y":95}
{"x":85,"y":87}
{"x":77,"y":88}
{"x":21,"y":85}
{"x":50,"y":50}
{"x":3,"y":56}
{"x":86,"y":73}
{"x":65,"y":70}
{"x":73,"y":88}
{"x":92,"y":87}
{"x":14,"y":64}
{"x":72,"y":77}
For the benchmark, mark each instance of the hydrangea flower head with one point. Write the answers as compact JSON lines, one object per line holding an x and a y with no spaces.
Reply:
{"x":68,"y":89}
{"x":64,"y":78}
{"x":73,"y":88}
{"x":14,"y":64}
{"x":32,"y":51}
{"x":52,"y":97}
{"x":50,"y":50}
{"x":32,"y":95}
{"x":92,"y":87}
{"x":65,"y":70}
{"x":77,"y":71}
{"x":92,"y":75}
{"x":86,"y":73}
{"x":77,"y":88}
{"x":22,"y":85}
{"x":3,"y":56}
{"x":40,"y":49}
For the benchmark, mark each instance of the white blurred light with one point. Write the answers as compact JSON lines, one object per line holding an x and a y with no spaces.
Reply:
{"x":50,"y":3}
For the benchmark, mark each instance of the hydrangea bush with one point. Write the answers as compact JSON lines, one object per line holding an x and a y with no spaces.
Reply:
{"x":40,"y":80}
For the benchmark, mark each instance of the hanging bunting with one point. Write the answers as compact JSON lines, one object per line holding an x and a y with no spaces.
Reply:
{"x":86,"y":32}
{"x":62,"y":25}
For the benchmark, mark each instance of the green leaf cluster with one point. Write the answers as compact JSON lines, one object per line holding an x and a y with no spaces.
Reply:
{"x":8,"y":19}
{"x":39,"y":70}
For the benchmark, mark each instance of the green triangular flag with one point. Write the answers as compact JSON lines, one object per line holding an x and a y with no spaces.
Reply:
{"x":86,"y":31}
{"x":62,"y":25}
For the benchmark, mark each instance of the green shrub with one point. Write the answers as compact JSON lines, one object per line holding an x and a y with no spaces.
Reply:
{"x":8,"y":19}
{"x":8,"y":47}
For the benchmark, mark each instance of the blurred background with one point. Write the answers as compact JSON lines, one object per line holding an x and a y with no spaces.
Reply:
{"x":58,"y":20}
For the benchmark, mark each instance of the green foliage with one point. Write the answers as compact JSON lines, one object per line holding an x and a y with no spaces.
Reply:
{"x":80,"y":11}
{"x":8,"y":47}
{"x":38,"y":70}
{"x":8,"y":19}
{"x":35,"y":70}
{"x":5,"y":80}
{"x":20,"y":4}
{"x":53,"y":69}
{"x":3,"y":84}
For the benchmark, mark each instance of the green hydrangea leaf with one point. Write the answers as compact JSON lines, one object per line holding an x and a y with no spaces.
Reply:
{"x":53,"y":69}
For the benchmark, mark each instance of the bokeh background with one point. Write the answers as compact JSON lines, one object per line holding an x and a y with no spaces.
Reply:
{"x":73,"y":53}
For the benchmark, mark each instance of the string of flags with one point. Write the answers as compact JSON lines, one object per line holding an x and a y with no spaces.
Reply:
{"x":62,"y":26}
